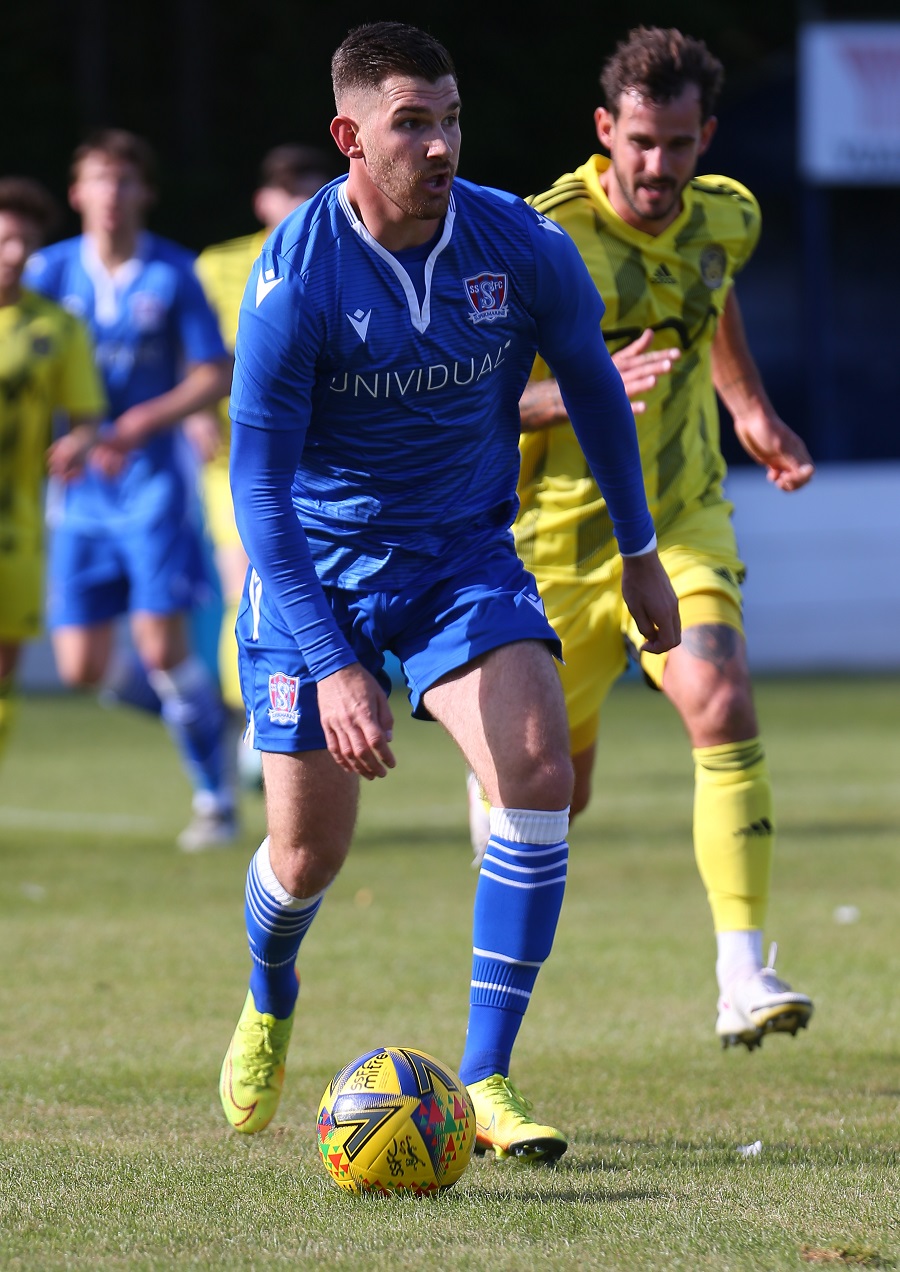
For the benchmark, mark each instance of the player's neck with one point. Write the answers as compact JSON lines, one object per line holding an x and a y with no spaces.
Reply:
{"x":115,"y":247}
{"x":394,"y":229}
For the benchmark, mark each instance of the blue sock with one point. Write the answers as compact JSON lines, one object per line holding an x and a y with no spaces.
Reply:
{"x":517,"y":904}
{"x":127,"y":685}
{"x":276,"y":924}
{"x":195,"y":716}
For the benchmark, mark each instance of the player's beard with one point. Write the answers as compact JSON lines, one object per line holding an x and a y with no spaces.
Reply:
{"x":631,"y":194}
{"x":404,"y":187}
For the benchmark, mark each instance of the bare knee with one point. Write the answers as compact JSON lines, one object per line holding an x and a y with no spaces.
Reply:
{"x":539,"y":781}
{"x":305,"y":869}
{"x":709,"y":684}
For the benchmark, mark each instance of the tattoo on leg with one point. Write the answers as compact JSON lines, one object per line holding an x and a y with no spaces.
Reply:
{"x":713,"y":642}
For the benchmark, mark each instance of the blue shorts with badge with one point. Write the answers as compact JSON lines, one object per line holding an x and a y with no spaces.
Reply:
{"x":432,"y":629}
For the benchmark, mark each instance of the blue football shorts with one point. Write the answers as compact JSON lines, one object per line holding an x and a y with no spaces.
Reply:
{"x":432,"y":629}
{"x":153,"y":563}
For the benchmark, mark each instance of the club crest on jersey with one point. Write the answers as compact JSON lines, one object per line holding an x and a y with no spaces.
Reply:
{"x":148,"y":312}
{"x":487,"y":296}
{"x":283,"y":698}
{"x":712,"y":265}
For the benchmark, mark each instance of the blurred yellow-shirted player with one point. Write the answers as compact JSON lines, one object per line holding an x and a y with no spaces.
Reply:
{"x":663,"y":247}
{"x":46,"y":371}
{"x":289,"y":175}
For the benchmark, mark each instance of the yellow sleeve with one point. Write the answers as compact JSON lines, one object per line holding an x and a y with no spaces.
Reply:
{"x":79,"y":388}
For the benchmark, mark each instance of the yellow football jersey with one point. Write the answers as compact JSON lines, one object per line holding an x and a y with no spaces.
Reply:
{"x":676,"y":283}
{"x":46,"y":365}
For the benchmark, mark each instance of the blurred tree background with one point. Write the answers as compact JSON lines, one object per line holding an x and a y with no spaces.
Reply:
{"x":214,"y":83}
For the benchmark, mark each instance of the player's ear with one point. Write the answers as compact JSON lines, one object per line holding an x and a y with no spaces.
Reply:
{"x":707,"y":132}
{"x":345,"y":132}
{"x":603,"y":122}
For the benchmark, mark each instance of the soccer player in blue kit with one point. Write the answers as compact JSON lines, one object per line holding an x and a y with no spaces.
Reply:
{"x":386,"y":334}
{"x":126,"y":536}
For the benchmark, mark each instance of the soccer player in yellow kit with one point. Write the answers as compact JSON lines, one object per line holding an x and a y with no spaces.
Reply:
{"x":663,"y":247}
{"x":288,"y":176}
{"x":46,"y":367}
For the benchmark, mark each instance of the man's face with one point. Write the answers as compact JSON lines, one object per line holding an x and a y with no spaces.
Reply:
{"x":408,"y":133}
{"x":19,"y":237}
{"x":653,"y":148}
{"x":273,"y":203}
{"x":110,"y":195}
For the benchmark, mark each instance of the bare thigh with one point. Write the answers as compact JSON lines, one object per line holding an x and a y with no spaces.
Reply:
{"x":506,"y":713}
{"x":82,"y":653}
{"x":161,"y":640}
{"x":311,"y":808}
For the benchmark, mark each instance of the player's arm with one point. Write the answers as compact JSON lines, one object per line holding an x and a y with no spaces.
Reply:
{"x":598,"y":407}
{"x":760,"y":430}
{"x":275,"y":362}
{"x":568,"y":310}
{"x":67,"y":455}
{"x":353,"y":709}
{"x":203,"y":384}
{"x":541,"y":405}
{"x":78,"y":394}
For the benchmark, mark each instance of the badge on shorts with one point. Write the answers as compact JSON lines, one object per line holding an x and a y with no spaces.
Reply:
{"x":487,"y":296}
{"x":283,"y":697}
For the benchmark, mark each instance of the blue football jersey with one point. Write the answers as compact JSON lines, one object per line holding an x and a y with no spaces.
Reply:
{"x":375,"y":399}
{"x":405,"y":407}
{"x":148,"y":321}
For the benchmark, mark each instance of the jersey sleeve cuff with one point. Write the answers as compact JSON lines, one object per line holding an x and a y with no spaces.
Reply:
{"x":648,"y":547}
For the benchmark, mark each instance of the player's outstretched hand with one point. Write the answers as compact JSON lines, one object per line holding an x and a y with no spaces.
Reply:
{"x":357,"y":721}
{"x":66,"y":456}
{"x":651,"y":602}
{"x":640,"y":367}
{"x":767,"y":439}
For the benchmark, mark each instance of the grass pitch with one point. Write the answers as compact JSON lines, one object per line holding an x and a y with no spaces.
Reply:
{"x":126,"y":967}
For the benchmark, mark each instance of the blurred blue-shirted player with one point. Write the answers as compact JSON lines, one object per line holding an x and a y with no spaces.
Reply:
{"x":386,"y":334}
{"x":126,"y":537}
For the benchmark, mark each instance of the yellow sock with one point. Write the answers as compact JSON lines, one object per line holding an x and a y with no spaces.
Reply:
{"x":734,"y":832}
{"x":228,"y":660}
{"x":7,"y":708}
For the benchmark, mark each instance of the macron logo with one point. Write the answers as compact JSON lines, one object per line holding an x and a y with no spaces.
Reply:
{"x":360,"y":323}
{"x":264,"y":284}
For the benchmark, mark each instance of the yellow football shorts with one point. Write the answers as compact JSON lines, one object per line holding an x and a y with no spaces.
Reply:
{"x":21,"y":596}
{"x":700,"y":556}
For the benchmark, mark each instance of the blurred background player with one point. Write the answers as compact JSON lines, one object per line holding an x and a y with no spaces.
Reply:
{"x":288,"y":176}
{"x":46,"y":370}
{"x":126,"y":537}
{"x":663,"y":247}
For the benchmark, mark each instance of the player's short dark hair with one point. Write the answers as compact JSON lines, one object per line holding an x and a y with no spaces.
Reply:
{"x":372,"y":52}
{"x":28,"y":198}
{"x":121,"y":145}
{"x":659,"y":62}
{"x":293,"y":167}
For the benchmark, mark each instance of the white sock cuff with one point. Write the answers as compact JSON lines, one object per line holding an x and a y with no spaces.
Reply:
{"x":739,"y":952}
{"x":530,"y":826}
{"x":276,"y":891}
{"x":179,"y":681}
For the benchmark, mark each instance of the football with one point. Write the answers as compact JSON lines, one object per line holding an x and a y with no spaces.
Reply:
{"x":395,"y":1120}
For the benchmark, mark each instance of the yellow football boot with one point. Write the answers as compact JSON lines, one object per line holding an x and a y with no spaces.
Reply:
{"x":503,"y":1123}
{"x":253,"y":1070}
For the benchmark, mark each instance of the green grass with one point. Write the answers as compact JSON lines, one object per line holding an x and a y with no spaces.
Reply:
{"x":126,"y":966}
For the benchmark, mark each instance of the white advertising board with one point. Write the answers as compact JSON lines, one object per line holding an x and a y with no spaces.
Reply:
{"x":850,"y":103}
